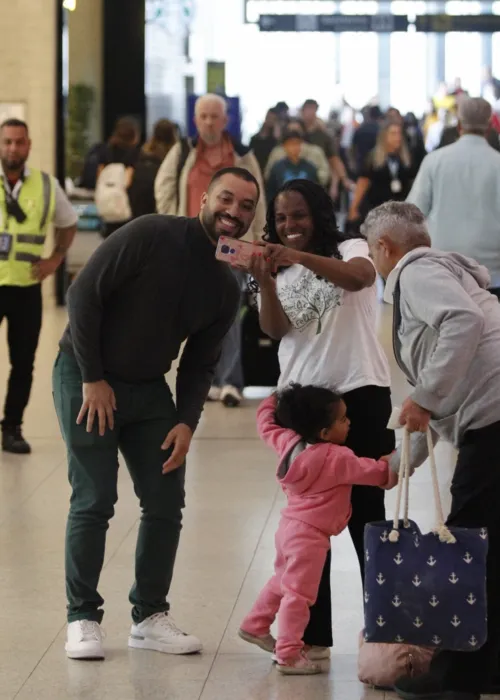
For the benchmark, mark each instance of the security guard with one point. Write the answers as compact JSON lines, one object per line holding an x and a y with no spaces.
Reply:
{"x":30,"y":201}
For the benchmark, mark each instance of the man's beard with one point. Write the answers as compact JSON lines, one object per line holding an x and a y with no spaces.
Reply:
{"x":11,"y":165}
{"x":209,"y":221}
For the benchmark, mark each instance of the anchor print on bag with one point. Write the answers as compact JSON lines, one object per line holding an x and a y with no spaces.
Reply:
{"x":427,"y":590}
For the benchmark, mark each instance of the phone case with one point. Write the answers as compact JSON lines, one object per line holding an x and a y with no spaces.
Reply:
{"x":238,"y":253}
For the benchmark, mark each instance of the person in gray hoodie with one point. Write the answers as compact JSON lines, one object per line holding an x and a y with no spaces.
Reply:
{"x":446,"y":339}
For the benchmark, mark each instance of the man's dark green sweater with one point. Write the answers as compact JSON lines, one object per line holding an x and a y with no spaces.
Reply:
{"x":149,"y":287}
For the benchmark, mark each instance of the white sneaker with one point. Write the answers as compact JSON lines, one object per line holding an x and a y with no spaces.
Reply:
{"x":84,"y":640}
{"x":214,"y":393}
{"x":231,"y":397}
{"x":160,"y":633}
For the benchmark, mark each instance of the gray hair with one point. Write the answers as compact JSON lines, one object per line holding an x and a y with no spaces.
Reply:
{"x":402,"y":222}
{"x":210,"y":98}
{"x":474,"y":114}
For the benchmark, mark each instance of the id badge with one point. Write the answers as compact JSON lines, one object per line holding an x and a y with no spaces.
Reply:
{"x":5,"y":245}
{"x":396,"y":186}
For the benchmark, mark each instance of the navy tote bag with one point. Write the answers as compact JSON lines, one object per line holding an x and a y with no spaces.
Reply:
{"x":427,"y":590}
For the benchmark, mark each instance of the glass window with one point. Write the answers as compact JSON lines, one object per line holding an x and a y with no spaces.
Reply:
{"x":409,"y":77}
{"x":463,"y":50}
{"x":359,"y":67}
{"x":288,"y":62}
{"x":495,"y":64}
{"x":359,"y":7}
{"x":358,"y":53}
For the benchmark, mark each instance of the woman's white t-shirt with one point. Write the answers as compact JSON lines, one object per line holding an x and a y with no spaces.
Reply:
{"x":333,"y":340}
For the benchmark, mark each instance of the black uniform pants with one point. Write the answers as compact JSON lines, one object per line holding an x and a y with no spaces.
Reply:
{"x":475,"y":492}
{"x":22,"y":309}
{"x":369,"y":409}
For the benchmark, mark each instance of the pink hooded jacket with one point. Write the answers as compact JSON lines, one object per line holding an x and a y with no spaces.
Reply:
{"x":317,"y":479}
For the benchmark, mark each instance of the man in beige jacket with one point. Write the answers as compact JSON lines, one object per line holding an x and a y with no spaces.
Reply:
{"x":191,"y":162}
{"x":183,"y":177}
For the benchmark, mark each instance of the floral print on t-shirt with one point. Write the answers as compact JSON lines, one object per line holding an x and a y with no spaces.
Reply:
{"x":307,"y":300}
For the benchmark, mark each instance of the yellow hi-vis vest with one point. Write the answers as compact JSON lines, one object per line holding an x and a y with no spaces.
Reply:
{"x":23,"y":244}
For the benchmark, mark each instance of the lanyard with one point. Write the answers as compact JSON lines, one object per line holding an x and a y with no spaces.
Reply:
{"x":11,"y":195}
{"x":393,"y":164}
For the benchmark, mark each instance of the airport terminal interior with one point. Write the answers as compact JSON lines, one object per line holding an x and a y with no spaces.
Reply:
{"x":70,"y":69}
{"x":226,"y":555}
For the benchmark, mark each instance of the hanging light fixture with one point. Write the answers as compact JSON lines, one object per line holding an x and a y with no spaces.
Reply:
{"x":69,"y":5}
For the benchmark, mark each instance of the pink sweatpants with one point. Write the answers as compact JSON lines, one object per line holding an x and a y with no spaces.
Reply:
{"x":301,"y":555}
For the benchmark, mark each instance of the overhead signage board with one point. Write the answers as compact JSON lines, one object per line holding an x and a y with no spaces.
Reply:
{"x":333,"y":23}
{"x":440,"y":24}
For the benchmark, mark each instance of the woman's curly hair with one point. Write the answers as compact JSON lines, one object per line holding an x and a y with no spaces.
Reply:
{"x":326,"y":234}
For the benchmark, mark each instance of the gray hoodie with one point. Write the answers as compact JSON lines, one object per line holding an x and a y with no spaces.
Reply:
{"x":446,"y":339}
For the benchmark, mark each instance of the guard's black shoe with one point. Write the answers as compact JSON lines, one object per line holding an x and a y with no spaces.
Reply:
{"x":13,"y":441}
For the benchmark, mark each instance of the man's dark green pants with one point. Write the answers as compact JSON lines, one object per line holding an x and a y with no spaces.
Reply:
{"x":144,"y":416}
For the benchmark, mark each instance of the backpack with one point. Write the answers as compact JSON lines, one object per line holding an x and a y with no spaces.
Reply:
{"x":88,"y":178}
{"x":141,"y":192}
{"x":111,"y":196}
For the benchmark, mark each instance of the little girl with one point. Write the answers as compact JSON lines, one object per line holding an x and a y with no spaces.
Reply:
{"x":306,"y":425}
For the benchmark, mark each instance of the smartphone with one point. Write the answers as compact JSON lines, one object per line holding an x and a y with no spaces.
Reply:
{"x":234,"y":252}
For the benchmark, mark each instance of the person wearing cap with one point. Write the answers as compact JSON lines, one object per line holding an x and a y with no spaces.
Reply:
{"x":458,"y":190}
{"x":292,"y":167}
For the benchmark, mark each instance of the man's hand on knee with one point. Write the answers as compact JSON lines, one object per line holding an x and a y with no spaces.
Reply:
{"x":98,"y":401}
{"x":180,"y":439}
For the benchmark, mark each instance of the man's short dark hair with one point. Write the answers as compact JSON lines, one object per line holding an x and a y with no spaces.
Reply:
{"x":282,"y":107}
{"x":292,"y":134}
{"x":242,"y":173}
{"x":375,"y":113}
{"x":310,"y":103}
{"x":15,"y":123}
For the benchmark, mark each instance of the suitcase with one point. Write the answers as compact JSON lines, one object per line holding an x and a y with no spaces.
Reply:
{"x":259,"y":353}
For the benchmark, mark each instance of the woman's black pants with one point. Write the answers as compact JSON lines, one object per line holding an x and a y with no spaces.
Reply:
{"x":369,"y":409}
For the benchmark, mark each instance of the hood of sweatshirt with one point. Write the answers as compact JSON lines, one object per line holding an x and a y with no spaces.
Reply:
{"x":454,"y":262}
{"x":301,"y":469}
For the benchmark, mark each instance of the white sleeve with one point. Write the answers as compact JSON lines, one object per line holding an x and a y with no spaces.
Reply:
{"x":355,"y":248}
{"x":64,"y":213}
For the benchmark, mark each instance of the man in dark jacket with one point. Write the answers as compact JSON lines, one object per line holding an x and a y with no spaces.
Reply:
{"x":264,"y":141}
{"x":150,"y":287}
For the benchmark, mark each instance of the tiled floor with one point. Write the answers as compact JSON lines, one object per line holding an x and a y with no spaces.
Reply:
{"x":226,"y":554}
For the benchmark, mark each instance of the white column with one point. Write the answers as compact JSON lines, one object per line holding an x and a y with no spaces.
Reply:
{"x":487,"y":39}
{"x":435,"y":52}
{"x":384,"y":61}
{"x":28,"y":74}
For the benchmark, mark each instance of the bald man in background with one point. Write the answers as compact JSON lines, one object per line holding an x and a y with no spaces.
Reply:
{"x":458,"y":190}
{"x":183,"y":177}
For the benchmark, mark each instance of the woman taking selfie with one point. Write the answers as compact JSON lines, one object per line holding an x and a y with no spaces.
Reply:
{"x":322,"y":306}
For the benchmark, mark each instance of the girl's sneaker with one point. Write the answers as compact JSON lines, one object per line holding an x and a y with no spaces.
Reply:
{"x":299,"y":667}
{"x":266,"y":643}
